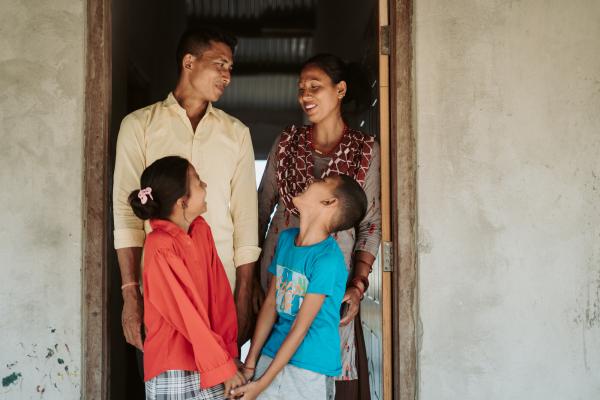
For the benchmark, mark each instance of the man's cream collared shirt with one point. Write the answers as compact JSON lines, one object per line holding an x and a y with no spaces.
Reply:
{"x":221,"y":151}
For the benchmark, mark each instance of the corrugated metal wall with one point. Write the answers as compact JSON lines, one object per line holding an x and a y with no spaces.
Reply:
{"x":274,"y":38}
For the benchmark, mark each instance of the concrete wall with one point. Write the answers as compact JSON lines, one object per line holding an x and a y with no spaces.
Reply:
{"x":508,"y":127}
{"x":41,"y":143}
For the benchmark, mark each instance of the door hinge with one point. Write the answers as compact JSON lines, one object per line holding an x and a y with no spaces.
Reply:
{"x":384,"y":40}
{"x":388,"y":257}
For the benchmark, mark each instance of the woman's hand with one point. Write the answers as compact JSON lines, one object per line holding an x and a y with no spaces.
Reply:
{"x":249,"y":391}
{"x":233,"y":382}
{"x":352,"y":297}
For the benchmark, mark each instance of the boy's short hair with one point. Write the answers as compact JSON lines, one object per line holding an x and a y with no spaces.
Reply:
{"x":195,"y":41}
{"x":352,"y":203}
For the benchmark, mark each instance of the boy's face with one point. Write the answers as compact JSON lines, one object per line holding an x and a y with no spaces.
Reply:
{"x":210,"y":73}
{"x":316,"y":195}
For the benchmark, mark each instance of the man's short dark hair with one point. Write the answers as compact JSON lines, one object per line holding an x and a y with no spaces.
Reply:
{"x":352,"y":203}
{"x":195,"y":41}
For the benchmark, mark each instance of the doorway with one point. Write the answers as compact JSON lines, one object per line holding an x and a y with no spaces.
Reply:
{"x":274,"y":37}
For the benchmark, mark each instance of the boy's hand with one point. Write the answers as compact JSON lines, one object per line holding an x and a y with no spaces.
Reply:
{"x":352,"y":297}
{"x":249,"y":391}
{"x":233,"y":382}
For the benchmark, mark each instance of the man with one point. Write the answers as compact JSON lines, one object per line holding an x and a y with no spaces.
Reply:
{"x":219,"y":147}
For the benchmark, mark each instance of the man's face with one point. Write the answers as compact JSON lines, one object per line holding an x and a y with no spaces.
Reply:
{"x":210,"y":73}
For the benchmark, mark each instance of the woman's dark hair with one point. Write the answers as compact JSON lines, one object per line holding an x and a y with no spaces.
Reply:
{"x":358,"y":92}
{"x":167,"y":177}
{"x":353,"y":203}
{"x":195,"y":41}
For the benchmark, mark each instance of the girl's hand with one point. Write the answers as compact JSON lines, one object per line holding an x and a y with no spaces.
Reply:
{"x":249,"y":391}
{"x":233,"y":382}
{"x":248,"y":372}
{"x":352,"y":297}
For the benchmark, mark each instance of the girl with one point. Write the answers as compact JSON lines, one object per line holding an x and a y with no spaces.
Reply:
{"x":190,"y":320}
{"x":328,"y":147}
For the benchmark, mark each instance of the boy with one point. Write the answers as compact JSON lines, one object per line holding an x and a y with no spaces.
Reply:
{"x":298,"y":323}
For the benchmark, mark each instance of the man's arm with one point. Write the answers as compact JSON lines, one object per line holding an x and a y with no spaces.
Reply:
{"x":131,"y":317}
{"x":244,"y":213}
{"x":129,"y":230}
{"x":244,"y":288}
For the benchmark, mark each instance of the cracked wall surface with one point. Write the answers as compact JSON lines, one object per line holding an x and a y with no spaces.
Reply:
{"x":507,"y":121}
{"x":41,"y":130}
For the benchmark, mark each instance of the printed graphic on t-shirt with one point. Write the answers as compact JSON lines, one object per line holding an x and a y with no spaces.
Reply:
{"x":291,"y":288}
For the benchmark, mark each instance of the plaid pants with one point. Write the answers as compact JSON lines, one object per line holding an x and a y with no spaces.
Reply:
{"x":181,"y":385}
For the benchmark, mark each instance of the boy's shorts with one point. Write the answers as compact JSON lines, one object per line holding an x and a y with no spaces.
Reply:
{"x":293,"y":383}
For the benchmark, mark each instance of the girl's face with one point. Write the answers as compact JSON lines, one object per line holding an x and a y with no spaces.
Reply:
{"x":318,"y":96}
{"x":196,"y":201}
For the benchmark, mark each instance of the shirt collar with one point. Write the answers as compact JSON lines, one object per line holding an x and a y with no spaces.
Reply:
{"x":171,"y":228}
{"x":166,"y":226}
{"x":171,"y":101}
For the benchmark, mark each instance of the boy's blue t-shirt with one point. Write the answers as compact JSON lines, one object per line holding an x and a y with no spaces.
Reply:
{"x":320,"y":269}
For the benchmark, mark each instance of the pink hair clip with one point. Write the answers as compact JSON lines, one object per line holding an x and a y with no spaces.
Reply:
{"x":144,"y":194}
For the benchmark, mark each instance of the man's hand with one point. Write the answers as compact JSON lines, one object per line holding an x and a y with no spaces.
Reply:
{"x":244,"y":283}
{"x":131,"y":317}
{"x":258,"y":296}
{"x":133,"y":305}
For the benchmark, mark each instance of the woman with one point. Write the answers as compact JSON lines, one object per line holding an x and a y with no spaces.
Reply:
{"x":327,"y":147}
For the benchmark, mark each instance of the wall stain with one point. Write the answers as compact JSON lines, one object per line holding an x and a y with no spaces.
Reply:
{"x":49,"y":377}
{"x":50,"y":353}
{"x":10,"y":379}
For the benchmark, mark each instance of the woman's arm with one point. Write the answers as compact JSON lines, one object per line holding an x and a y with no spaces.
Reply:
{"x":368,"y":238}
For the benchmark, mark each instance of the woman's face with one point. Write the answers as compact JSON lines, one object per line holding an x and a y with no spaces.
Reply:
{"x":319,"y":97}
{"x":196,"y":201}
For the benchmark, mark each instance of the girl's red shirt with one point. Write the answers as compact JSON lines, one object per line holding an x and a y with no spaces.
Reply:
{"x":189,"y":312}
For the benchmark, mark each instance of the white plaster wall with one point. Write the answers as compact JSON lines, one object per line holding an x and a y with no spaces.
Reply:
{"x":41,"y":142}
{"x":507,"y":120}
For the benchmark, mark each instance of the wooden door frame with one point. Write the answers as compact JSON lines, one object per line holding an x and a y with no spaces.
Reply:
{"x":95,"y":357}
{"x":98,"y":60}
{"x":404,"y":205}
